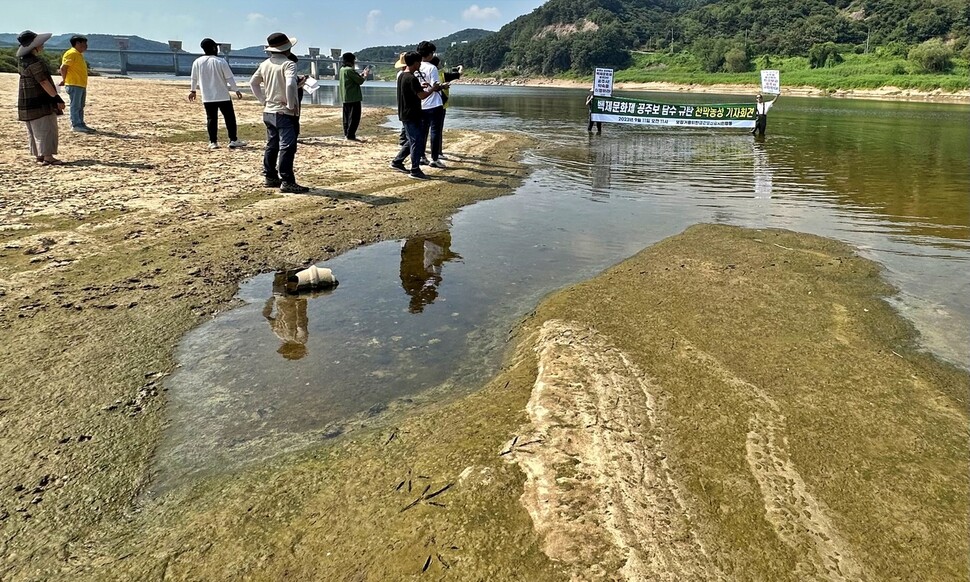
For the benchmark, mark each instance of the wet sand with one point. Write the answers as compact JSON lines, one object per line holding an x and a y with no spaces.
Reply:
{"x":107,"y":261}
{"x":728,"y":403}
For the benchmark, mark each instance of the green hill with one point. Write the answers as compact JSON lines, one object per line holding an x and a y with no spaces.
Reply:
{"x":390,"y":53}
{"x":575,"y":36}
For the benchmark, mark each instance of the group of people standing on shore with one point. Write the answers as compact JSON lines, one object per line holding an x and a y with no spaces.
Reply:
{"x":421,"y":97}
{"x":421,"y":101}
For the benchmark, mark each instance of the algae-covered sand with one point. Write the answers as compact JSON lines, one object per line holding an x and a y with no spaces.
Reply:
{"x":729,"y":403}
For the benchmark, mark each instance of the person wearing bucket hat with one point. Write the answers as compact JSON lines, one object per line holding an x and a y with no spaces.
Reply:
{"x":276,"y":87}
{"x":38,"y":103}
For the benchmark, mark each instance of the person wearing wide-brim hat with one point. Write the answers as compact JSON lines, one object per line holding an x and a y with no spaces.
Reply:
{"x":276,"y":86}
{"x":38,"y":103}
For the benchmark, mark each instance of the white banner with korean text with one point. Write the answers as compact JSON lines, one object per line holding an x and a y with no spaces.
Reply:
{"x":771,"y":81}
{"x":635,"y":111}
{"x":603,"y":82}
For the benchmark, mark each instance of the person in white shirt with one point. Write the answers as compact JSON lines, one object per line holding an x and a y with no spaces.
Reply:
{"x":761,"y":114}
{"x":276,"y":86}
{"x":213,"y":75}
{"x":432,"y":106}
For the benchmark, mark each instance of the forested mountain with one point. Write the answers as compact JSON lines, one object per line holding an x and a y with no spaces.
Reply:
{"x":578,"y":35}
{"x":389,"y":54}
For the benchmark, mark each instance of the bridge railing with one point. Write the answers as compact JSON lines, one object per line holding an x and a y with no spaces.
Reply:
{"x":179,"y":63}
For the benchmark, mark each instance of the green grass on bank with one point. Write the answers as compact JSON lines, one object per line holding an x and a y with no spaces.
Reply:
{"x":856,"y":72}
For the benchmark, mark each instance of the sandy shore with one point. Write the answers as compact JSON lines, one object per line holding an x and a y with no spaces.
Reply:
{"x":881,"y":94}
{"x":729,"y":403}
{"x":107,"y":261}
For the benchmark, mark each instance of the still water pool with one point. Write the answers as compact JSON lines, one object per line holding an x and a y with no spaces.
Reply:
{"x":430,"y":315}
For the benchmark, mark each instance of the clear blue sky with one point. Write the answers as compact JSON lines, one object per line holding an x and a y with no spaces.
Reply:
{"x":345,"y":24}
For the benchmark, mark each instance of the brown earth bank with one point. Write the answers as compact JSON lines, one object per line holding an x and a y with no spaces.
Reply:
{"x":107,"y":261}
{"x":880,"y":94}
{"x":728,"y":404}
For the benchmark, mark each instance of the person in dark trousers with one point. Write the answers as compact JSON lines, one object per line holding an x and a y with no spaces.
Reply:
{"x":589,"y":105}
{"x":432,"y":106}
{"x":213,"y":76}
{"x":448,"y":76}
{"x":761,"y":114}
{"x":350,"y":95}
{"x":277,"y":88}
{"x":410,"y":92}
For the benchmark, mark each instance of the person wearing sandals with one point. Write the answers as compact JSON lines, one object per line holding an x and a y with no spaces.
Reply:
{"x":38,"y":103}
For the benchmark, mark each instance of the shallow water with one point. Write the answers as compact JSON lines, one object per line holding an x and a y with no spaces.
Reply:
{"x":280,"y":373}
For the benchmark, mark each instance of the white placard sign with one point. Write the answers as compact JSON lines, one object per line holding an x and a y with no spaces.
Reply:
{"x":771,"y":82}
{"x":603,"y":83}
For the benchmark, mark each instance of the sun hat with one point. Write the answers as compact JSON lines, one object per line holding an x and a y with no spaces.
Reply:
{"x":400,"y":62}
{"x":279,"y":43}
{"x":29,"y":40}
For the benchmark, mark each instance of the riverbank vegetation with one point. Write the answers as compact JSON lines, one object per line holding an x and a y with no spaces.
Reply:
{"x":830,"y":44}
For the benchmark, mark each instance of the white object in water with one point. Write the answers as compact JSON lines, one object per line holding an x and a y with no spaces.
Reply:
{"x":313,"y":277}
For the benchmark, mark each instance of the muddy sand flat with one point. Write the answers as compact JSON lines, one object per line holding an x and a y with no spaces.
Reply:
{"x":728,"y":404}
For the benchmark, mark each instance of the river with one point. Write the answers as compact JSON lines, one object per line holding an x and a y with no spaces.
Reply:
{"x":428,"y":318}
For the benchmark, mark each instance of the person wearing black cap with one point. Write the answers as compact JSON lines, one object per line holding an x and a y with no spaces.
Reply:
{"x":350,"y":95}
{"x":276,"y":86}
{"x":74,"y":77}
{"x":38,"y":103}
{"x":213,"y":75}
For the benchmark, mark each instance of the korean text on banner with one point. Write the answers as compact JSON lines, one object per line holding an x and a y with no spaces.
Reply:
{"x":771,"y":82}
{"x":603,"y":82}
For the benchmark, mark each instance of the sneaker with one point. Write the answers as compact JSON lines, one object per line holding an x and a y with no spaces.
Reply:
{"x":399,"y":166}
{"x":237,"y":144}
{"x":442,"y":156}
{"x":437,"y":164}
{"x":424,"y":161}
{"x":293,"y":188}
{"x":273,"y":182}
{"x":82,"y":129}
{"x":418,"y":174}
{"x":213,"y":145}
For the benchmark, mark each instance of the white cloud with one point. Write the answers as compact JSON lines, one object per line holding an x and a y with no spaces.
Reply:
{"x":404,"y":26}
{"x":371,"y":24}
{"x":474,"y":12}
{"x":257,"y":19}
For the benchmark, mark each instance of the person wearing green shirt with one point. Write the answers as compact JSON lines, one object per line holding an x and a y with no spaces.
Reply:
{"x":350,"y":96}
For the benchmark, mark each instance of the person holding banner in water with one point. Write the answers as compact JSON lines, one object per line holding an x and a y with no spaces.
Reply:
{"x":589,"y":105}
{"x":761,"y":114}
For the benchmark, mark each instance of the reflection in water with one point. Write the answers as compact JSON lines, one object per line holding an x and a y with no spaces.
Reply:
{"x":422,"y":258}
{"x":289,"y":324}
{"x":763,"y":174}
{"x":289,"y":319}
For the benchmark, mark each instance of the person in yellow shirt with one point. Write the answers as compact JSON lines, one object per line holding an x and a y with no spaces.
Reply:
{"x":74,"y":77}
